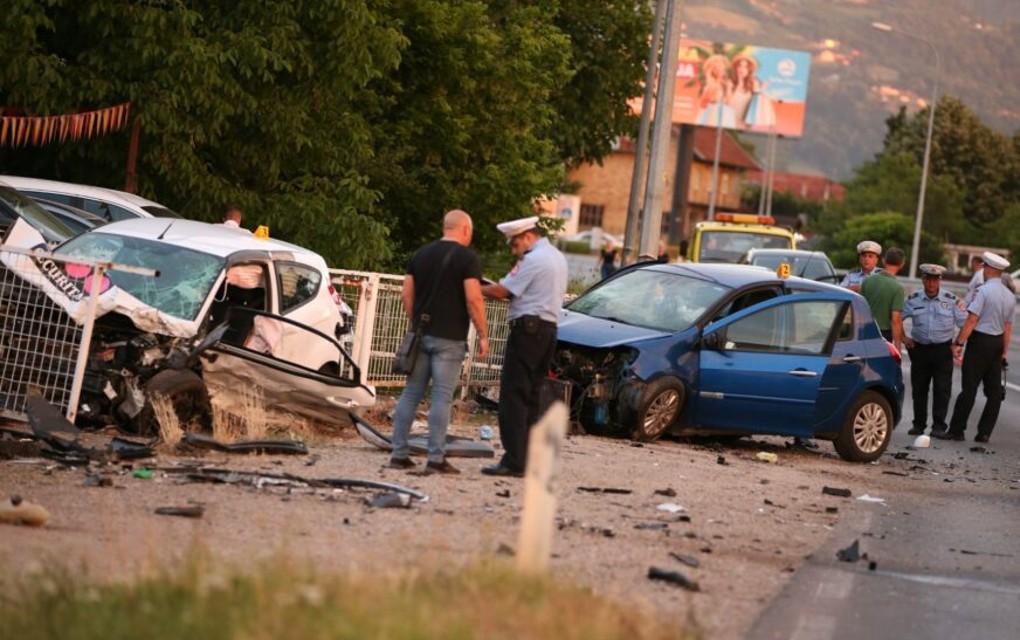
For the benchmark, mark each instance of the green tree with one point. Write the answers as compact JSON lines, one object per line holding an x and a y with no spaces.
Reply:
{"x":345,"y":125}
{"x":980,"y":161}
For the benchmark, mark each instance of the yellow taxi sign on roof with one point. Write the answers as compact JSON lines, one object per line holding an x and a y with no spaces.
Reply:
{"x":783,"y":271}
{"x":262,"y":232}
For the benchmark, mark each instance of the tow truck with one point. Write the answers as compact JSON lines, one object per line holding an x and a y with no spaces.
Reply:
{"x":729,"y":236}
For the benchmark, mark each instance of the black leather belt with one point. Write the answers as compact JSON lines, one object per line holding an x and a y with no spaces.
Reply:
{"x":519,"y":322}
{"x":932,"y":345}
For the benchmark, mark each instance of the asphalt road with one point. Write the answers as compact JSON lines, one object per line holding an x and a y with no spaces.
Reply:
{"x":947,"y":560}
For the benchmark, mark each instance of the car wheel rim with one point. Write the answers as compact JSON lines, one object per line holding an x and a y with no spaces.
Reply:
{"x":870,"y":428}
{"x":661,"y":412}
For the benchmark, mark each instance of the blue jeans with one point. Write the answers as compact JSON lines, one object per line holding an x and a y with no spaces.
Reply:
{"x":440,"y":361}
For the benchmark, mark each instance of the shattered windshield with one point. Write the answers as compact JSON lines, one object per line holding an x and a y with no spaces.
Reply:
{"x":648,"y":298}
{"x":184,"y":278}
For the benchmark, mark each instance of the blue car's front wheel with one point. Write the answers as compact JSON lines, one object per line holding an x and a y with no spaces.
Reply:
{"x":867,"y":429}
{"x":656,"y":409}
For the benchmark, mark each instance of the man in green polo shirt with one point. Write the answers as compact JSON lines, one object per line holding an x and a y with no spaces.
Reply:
{"x":884,"y":294}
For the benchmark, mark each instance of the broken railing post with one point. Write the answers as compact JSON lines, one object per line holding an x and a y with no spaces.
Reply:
{"x":534,"y":545}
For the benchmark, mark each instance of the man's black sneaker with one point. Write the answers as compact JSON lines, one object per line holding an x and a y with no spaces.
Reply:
{"x":401,"y":463}
{"x":443,"y":467}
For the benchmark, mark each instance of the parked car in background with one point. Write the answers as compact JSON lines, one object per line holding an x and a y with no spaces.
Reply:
{"x":77,"y":219}
{"x":729,"y":349}
{"x":813,"y":265}
{"x":596,"y":236}
{"x":15,"y":205}
{"x":221,"y":312}
{"x":108,"y":204}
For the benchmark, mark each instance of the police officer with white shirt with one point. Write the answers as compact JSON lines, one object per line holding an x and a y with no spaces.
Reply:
{"x":868,"y":252}
{"x":535,"y":287}
{"x":986,"y":332}
{"x":935,"y":315}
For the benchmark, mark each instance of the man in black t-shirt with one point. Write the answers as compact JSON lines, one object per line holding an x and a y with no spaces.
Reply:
{"x":443,"y":281}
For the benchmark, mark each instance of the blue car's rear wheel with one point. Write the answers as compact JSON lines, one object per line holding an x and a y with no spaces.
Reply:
{"x":656,"y":409}
{"x":867,"y":429}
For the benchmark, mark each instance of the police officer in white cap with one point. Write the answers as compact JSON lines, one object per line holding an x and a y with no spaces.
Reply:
{"x":868,"y":252}
{"x":935,"y":315}
{"x":535,"y":287}
{"x":986,"y":333}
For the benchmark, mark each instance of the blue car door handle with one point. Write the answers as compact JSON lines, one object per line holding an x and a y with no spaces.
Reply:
{"x":852,"y":358}
{"x":801,"y":373}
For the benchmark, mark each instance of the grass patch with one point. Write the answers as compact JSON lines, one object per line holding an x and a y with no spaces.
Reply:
{"x":281,"y":600}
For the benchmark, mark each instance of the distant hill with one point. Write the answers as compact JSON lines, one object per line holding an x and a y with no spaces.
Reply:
{"x":860,"y":75}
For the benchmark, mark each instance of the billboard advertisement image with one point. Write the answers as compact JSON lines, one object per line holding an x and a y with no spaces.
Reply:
{"x":742,"y":87}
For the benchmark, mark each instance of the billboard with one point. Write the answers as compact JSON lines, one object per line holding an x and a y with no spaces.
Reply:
{"x":740,"y":87}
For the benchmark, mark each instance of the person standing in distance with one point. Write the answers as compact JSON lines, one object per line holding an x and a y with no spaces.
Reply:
{"x":868,"y":252}
{"x":986,"y":332}
{"x":935,"y":314}
{"x":607,"y":260}
{"x":977,"y":267}
{"x":444,"y":276}
{"x":232,"y":216}
{"x":884,"y":294}
{"x":535,"y":287}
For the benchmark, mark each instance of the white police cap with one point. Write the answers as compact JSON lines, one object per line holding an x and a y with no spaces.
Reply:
{"x":514,"y":228}
{"x":932,"y":270}
{"x":869,"y":246}
{"x":995,"y":261}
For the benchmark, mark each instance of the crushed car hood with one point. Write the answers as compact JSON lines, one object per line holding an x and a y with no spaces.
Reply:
{"x":71,"y":293}
{"x":578,"y":328}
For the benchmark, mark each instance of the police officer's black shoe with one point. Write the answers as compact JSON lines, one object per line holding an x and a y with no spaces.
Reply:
{"x":981,"y":438}
{"x":500,"y":470}
{"x":947,"y":435}
{"x":916,"y":431}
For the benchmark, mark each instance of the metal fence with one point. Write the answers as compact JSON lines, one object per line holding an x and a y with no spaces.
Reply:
{"x":39,"y":343}
{"x":380,"y":323}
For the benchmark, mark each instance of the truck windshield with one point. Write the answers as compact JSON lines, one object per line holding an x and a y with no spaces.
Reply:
{"x":732,"y":246}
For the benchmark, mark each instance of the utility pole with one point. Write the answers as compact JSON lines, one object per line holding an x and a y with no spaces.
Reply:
{"x":637,"y":182}
{"x":652,"y":219}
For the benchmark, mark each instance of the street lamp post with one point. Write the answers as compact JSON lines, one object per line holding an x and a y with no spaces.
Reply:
{"x":916,"y":246}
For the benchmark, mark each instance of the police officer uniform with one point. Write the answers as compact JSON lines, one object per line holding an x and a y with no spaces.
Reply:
{"x":986,"y":334}
{"x":934,"y":322}
{"x":536,"y":287}
{"x":853,"y":279}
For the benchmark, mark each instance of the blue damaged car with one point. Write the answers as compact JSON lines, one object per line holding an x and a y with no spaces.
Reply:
{"x":720,"y":349}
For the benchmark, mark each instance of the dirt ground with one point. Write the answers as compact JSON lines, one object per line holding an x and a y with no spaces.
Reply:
{"x":746,"y":523}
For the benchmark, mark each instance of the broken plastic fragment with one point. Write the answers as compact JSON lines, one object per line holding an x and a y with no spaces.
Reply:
{"x":677,"y":578}
{"x":767,"y":456}
{"x":14,"y":510}
{"x":851,"y":553}
{"x":671,"y":507}
{"x":390,"y":500}
{"x":836,"y":491}
{"x":190,"y":511}
{"x":867,"y":498}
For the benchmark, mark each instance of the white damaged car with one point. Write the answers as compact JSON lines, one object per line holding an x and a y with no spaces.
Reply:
{"x":189,"y":311}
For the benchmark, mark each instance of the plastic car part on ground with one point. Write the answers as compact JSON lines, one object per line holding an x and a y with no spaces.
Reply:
{"x":285,"y":447}
{"x":259,"y":480}
{"x":15,"y":510}
{"x":456,"y":447}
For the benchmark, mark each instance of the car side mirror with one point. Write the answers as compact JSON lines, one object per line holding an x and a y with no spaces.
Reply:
{"x":712,"y":341}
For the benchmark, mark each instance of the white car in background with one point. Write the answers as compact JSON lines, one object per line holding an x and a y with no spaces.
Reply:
{"x":225,"y":312}
{"x":109,"y":204}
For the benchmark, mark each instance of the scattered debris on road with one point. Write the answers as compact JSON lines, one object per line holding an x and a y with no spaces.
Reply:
{"x":674,"y":577}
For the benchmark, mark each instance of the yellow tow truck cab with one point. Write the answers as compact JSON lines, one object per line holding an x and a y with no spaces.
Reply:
{"x":730,"y":236}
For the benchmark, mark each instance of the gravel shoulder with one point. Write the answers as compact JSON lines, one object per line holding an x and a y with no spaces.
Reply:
{"x":748,"y":524}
